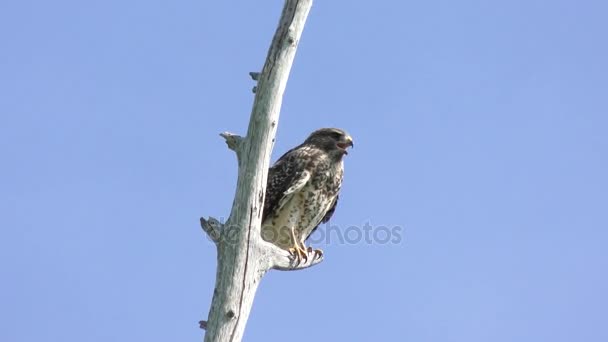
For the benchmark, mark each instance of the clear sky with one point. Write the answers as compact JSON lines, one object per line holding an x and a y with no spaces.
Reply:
{"x":480,"y":132}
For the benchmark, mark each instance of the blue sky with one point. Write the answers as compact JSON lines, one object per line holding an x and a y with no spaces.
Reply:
{"x":480,"y":131}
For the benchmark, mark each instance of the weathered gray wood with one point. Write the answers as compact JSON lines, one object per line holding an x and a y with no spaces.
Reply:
{"x":243,"y":257}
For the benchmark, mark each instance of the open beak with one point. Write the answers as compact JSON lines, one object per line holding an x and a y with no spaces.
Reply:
{"x":348,"y":142}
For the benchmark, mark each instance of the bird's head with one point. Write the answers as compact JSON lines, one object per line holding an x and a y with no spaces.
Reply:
{"x":332,"y":140}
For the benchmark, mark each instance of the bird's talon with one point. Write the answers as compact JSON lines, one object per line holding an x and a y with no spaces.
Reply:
{"x":304,"y":256}
{"x":298,"y":255}
{"x":318,"y":253}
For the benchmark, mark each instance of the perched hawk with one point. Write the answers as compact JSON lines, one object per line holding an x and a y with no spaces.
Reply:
{"x":302,"y":190}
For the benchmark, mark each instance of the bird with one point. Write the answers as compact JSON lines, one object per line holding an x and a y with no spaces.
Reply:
{"x":302,"y":190}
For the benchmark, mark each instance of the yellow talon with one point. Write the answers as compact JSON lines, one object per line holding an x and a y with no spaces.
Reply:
{"x":298,"y":252}
{"x":297,"y":249}
{"x":318,"y":253}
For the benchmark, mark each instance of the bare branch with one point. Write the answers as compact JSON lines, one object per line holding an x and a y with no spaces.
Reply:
{"x":254,"y":75}
{"x":280,"y":259}
{"x":212,"y":227}
{"x":243,"y":257}
{"x":233,"y":141}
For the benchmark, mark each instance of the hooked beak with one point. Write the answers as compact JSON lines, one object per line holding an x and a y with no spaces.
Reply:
{"x":346,"y":143}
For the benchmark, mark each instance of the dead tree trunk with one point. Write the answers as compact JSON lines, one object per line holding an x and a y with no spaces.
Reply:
{"x":242,"y":256}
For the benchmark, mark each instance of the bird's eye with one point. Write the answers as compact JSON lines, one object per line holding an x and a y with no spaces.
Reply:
{"x":336,"y":135}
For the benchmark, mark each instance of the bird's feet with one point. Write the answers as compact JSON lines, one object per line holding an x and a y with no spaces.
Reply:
{"x":317,"y":253}
{"x":298,"y":254}
{"x":298,"y":251}
{"x":302,"y":256}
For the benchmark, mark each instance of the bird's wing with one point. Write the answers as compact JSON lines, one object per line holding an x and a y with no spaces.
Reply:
{"x":285,"y":177}
{"x":331,"y":210}
{"x":298,"y":183}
